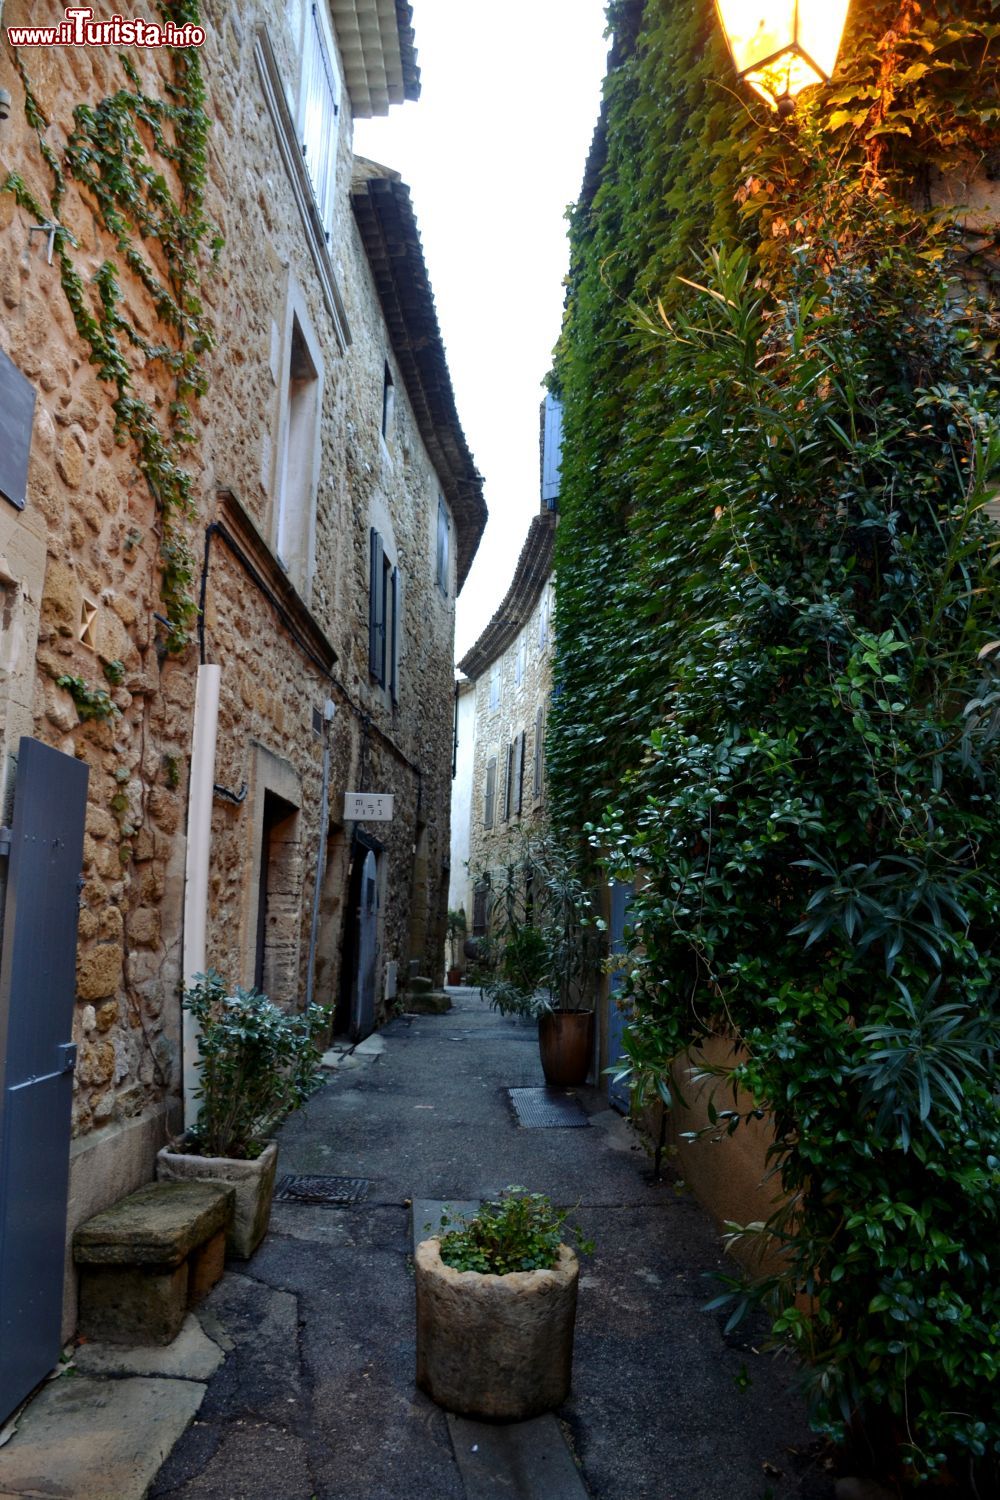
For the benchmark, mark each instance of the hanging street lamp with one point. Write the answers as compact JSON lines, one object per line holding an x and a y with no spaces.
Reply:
{"x":782,"y":46}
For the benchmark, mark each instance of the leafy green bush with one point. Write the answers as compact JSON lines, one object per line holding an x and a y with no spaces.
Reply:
{"x":519,"y":1231}
{"x":816,"y":815}
{"x":541,"y":950}
{"x":256,"y":1062}
{"x":778,"y":687}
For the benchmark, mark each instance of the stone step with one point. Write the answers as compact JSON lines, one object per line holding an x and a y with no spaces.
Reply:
{"x":515,"y":1460}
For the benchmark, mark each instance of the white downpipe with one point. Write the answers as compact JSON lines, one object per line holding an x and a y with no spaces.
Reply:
{"x":199,"y":840}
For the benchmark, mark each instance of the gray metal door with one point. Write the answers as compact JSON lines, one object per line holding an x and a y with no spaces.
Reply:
{"x":621,"y":897}
{"x":37,"y":990}
{"x":364,"y":1014}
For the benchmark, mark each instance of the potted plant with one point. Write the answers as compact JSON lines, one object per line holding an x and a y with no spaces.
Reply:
{"x":256,"y":1062}
{"x":456,"y":936}
{"x":541,"y":960}
{"x":496,"y":1305}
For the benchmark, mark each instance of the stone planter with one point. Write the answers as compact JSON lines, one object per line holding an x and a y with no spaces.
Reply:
{"x":253,"y":1181}
{"x":495,"y":1346}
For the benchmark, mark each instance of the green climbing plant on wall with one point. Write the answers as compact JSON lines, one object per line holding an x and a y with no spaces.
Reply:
{"x":140,"y":161}
{"x":777,"y":692}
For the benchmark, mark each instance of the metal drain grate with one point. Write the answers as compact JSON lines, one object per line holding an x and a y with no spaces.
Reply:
{"x":323,"y":1192}
{"x":547,"y":1109}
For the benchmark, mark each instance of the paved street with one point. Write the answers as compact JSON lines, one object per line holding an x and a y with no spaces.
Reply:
{"x":316,"y":1397}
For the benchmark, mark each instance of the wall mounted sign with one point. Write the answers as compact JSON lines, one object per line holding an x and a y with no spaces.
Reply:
{"x":17,"y":413}
{"x":368,"y":807}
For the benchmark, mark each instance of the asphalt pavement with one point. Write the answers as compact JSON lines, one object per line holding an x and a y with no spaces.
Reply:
{"x":294,"y":1379}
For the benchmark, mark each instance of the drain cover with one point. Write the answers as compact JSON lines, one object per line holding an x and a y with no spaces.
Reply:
{"x":326,"y":1192}
{"x":547,"y":1109}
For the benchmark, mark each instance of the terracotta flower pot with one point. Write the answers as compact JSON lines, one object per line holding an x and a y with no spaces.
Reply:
{"x":566,"y":1044}
{"x":253,"y":1181}
{"x":495,"y":1346}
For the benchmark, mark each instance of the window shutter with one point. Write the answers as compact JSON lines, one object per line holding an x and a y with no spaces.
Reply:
{"x":539,"y":749}
{"x":518,"y":772}
{"x":508,"y":790}
{"x":491,"y":788}
{"x":552,"y":452}
{"x":397,"y":629}
{"x":376,"y":611}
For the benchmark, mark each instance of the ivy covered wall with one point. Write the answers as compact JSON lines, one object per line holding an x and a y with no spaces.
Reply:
{"x":776,"y":671}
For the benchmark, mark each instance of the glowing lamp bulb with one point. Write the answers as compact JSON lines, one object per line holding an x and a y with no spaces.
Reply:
{"x":780,"y":47}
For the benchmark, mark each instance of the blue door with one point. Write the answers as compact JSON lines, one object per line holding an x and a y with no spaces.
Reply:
{"x":621,"y":898}
{"x":37,"y":989}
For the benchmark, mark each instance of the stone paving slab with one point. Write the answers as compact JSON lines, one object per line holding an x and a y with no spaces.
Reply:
{"x":515,"y":1460}
{"x":84,"y":1438}
{"x":191,"y":1356}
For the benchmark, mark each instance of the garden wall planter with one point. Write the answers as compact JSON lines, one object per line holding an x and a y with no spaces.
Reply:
{"x":495,"y":1346}
{"x":566,"y":1045}
{"x":253,"y":1181}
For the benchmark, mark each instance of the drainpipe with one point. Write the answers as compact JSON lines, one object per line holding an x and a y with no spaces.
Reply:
{"x":324,"y":819}
{"x":199,"y":839}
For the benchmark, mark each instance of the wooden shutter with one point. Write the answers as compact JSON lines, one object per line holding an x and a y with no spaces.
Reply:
{"x":518,"y":771}
{"x":491,"y":790}
{"x":376,"y":610}
{"x":539,"y":749}
{"x":397,"y":628}
{"x":552,"y":452}
{"x":508,"y":788}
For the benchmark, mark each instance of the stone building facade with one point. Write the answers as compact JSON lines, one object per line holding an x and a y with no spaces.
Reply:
{"x":510,"y":671}
{"x":334,"y":513}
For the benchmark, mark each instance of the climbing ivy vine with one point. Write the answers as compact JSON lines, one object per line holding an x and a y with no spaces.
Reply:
{"x":777,"y":694}
{"x":122,"y":153}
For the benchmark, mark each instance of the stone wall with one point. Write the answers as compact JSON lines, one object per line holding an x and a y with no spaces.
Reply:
{"x":496,"y":728}
{"x":85,"y":553}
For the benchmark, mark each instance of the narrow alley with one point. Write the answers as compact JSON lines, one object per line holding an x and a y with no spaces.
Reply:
{"x":317,"y":1397}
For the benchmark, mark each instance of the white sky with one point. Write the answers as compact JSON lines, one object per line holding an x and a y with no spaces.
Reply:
{"x":494,"y":151}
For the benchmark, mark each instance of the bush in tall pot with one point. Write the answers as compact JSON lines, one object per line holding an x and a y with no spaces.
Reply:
{"x":542,"y":959}
{"x":256,"y":1062}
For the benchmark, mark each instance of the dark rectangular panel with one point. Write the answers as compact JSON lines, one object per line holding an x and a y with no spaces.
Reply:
{"x":37,"y":990}
{"x":547,"y":1109}
{"x":17,"y":413}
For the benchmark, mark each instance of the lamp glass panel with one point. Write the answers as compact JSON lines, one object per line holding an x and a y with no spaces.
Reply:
{"x":757,"y":29}
{"x":821,"y":26}
{"x":789,"y":74}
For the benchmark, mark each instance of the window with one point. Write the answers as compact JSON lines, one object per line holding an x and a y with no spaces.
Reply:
{"x":552,"y":437}
{"x":518,"y":773}
{"x":318,"y":111}
{"x":539,"y":750}
{"x":385,"y":618}
{"x":481,"y":907}
{"x":443,"y":540}
{"x":520,"y":658}
{"x":298,"y":456}
{"x":388,"y":404}
{"x":543,"y":618}
{"x":496,"y":678}
{"x":489,"y":795}
{"x":515,"y":773}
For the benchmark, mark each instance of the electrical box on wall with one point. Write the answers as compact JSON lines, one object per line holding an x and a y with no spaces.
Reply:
{"x":390,"y":980}
{"x":17,"y":414}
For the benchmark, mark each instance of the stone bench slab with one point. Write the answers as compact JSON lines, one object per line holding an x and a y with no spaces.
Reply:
{"x":157,"y":1226}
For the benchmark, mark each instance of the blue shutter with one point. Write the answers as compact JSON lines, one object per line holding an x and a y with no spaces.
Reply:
{"x":552,"y":452}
